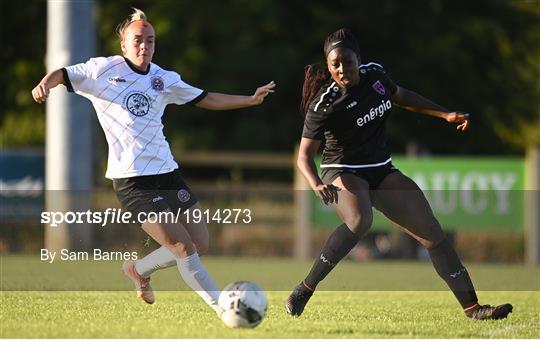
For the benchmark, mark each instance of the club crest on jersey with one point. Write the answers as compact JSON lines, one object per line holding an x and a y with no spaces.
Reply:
{"x":157,"y":83}
{"x":183,"y":195}
{"x":137,"y":103}
{"x":378,"y":87}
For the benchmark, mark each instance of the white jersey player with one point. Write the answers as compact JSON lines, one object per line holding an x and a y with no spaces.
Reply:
{"x":129,"y":104}
{"x":129,"y":94}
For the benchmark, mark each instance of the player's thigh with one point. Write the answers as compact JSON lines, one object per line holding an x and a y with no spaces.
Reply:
{"x":174,"y":236}
{"x":177,"y":193}
{"x":197,"y":228}
{"x":401,"y":200}
{"x":143,"y":198}
{"x":181,"y":199}
{"x":354,"y":203}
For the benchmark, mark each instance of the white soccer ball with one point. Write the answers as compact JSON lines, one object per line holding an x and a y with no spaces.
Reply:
{"x":244,"y":304}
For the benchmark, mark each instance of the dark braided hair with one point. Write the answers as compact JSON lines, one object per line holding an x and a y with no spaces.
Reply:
{"x":315,"y":75}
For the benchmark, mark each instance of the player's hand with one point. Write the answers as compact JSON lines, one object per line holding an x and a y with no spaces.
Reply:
{"x":262,"y":92}
{"x":461,"y":118}
{"x":328,"y":193}
{"x":40,"y":93}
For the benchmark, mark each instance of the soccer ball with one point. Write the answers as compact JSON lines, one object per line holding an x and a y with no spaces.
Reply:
{"x":244,"y":304}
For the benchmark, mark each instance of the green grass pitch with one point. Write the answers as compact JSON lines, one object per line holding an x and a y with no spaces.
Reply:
{"x":358,"y":300}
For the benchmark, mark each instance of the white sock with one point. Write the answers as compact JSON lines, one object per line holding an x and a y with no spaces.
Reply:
{"x":196,"y":276}
{"x":158,"y":259}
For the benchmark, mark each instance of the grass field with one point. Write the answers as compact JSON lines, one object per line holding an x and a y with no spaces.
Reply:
{"x":334,"y":311}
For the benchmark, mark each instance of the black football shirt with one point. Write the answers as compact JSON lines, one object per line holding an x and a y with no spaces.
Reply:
{"x":353,"y":121}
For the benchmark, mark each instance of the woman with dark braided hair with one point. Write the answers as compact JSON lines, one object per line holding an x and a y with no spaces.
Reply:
{"x":348,"y":104}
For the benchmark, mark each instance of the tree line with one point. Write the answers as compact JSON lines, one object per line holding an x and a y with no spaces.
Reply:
{"x":477,"y":56}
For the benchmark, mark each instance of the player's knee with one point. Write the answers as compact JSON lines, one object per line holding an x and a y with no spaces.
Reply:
{"x":433,"y":240}
{"x":359,"y":223}
{"x":426,"y":243}
{"x":201,"y":247}
{"x":181,"y":249}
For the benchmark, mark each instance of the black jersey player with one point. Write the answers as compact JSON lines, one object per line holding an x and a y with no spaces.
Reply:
{"x":347,"y":104}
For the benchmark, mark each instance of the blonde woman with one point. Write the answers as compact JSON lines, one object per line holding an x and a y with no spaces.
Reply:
{"x":129,"y":94}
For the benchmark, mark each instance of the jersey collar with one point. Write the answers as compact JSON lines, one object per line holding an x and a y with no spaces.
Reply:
{"x":134,"y":69}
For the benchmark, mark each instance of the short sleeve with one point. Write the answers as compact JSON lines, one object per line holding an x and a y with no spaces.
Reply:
{"x":376,"y":72}
{"x":315,"y":123}
{"x":319,"y":111}
{"x":388,"y":83}
{"x":385,"y":79}
{"x":180,"y":92}
{"x":80,"y":78}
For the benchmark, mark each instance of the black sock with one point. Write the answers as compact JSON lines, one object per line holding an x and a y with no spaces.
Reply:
{"x":336,"y":247}
{"x":450,"y":269}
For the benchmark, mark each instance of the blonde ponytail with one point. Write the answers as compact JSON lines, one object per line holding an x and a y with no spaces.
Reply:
{"x":136,"y":15}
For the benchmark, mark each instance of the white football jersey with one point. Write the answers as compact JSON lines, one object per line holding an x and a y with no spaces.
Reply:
{"x":129,"y":104}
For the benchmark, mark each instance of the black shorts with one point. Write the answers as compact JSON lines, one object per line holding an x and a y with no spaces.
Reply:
{"x":154,"y":193}
{"x":374,"y":176}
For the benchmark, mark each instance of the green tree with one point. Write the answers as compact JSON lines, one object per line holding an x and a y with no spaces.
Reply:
{"x":479,"y":56}
{"x":22,"y":123}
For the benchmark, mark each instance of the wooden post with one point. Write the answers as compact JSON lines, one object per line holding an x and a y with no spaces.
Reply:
{"x":302,"y":214}
{"x":532,"y":204}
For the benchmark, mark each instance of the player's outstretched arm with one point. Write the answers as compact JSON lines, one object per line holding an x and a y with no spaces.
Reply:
{"x":412,"y":101}
{"x":40,"y":93}
{"x":221,"y":101}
